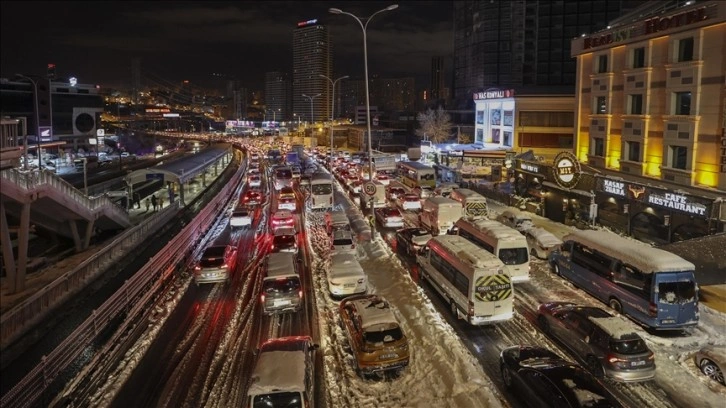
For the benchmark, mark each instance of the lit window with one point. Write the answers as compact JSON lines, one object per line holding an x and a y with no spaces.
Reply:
{"x":601,"y":105}
{"x":635,"y":104}
{"x":598,"y":146}
{"x":685,"y":49}
{"x":679,"y":157}
{"x":682,"y":103}
{"x":633,"y":151}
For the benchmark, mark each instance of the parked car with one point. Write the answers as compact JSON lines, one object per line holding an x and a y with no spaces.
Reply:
{"x":541,"y":242}
{"x":608,"y":345}
{"x":216,"y":264}
{"x":284,"y":240}
{"x":374,"y":335}
{"x":392,"y":193}
{"x":409,"y":202}
{"x":342,"y":241}
{"x":516,"y":219}
{"x":711,"y":360}
{"x":541,"y":378}
{"x":241,"y":218}
{"x":389,"y":217}
{"x":410,"y":241}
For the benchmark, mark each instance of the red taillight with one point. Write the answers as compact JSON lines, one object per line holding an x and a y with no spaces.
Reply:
{"x":197,"y":268}
{"x":262,"y":297}
{"x":225,"y":266}
{"x":615,"y":359}
{"x":300,"y":293}
{"x":652,"y":310}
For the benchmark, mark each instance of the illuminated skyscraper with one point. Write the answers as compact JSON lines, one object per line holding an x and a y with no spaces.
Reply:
{"x":311,"y":56}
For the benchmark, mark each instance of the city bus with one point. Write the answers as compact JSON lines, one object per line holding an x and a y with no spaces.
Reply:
{"x":321,"y":191}
{"x":506,"y":243}
{"x":654,"y":287}
{"x":415,"y":174}
{"x":469,"y":278}
{"x":282,"y":177}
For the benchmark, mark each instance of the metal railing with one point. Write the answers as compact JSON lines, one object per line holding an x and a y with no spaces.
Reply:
{"x":132,"y":296}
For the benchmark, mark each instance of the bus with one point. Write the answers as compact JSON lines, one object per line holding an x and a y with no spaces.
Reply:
{"x":655,"y":288}
{"x":283,"y":178}
{"x":506,"y":243}
{"x":469,"y":278}
{"x":474,"y":204}
{"x":415,"y":174}
{"x":321,"y":191}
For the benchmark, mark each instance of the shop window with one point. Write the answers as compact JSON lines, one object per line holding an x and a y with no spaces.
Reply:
{"x":633,"y":149}
{"x":598,"y":146}
{"x":479,"y":136}
{"x":507,"y":139}
{"x":682,"y":103}
{"x":639,"y":57}
{"x":601,"y":105}
{"x":635,"y":104}
{"x":602,"y":64}
{"x":678,"y":157}
{"x":685,"y":49}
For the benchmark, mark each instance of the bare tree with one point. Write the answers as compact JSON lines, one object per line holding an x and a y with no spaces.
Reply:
{"x":435,"y":125}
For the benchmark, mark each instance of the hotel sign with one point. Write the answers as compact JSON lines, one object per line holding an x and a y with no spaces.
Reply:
{"x":494,"y":94}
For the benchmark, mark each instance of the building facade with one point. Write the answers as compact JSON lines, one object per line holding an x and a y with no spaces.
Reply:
{"x":311,"y":57}
{"x":436,"y":88}
{"x":278,"y":94}
{"x":650,"y":113}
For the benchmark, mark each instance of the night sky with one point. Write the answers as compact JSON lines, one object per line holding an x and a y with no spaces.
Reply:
{"x":96,"y":41}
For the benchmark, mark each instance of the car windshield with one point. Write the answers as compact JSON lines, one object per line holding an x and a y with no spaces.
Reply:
{"x":383,"y":334}
{"x":278,"y":286}
{"x":513,"y":256}
{"x":278,"y":399}
{"x":677,"y":292}
{"x":283,"y":174}
{"x":628,"y":346}
{"x":284,"y":240}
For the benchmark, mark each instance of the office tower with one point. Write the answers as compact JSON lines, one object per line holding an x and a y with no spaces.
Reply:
{"x":311,"y":56}
{"x":437,"y":79}
{"x":393,"y":94}
{"x":523,"y":44}
{"x":277,"y":95}
{"x":135,"y":79}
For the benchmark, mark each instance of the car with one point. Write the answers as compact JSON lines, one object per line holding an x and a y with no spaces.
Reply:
{"x":383,"y":178}
{"x":355,"y":187}
{"x":374,"y":335}
{"x":608,"y":345}
{"x":254,"y":180}
{"x":389,"y":217}
{"x":252,"y":197}
{"x":392,"y":193}
{"x":544,"y":379}
{"x":711,"y":360}
{"x":346,"y":276}
{"x":255,"y":157}
{"x":516,"y":219}
{"x":341,"y":240}
{"x":445,"y":189}
{"x":409,"y":202}
{"x":284,"y":239}
{"x":411,"y":241}
{"x":286,"y":199}
{"x":423,"y":192}
{"x":215,"y":264}
{"x":296,"y":172}
{"x":241,"y":218}
{"x":541,"y":242}
{"x":281,"y":219}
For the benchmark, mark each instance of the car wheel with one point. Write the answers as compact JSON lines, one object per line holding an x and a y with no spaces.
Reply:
{"x":506,"y":376}
{"x":616,"y":305}
{"x":544,"y":324}
{"x":533,"y":252}
{"x":593,"y":364}
{"x":712,"y":371}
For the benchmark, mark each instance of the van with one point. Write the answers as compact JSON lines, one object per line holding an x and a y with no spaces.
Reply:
{"x":284,"y":374}
{"x":281,"y":287}
{"x":474,"y":204}
{"x":445,"y":189}
{"x":346,"y":276}
{"x":438,"y":214}
{"x":516,"y":219}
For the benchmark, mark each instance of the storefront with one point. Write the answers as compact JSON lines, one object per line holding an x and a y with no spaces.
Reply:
{"x":652,"y":214}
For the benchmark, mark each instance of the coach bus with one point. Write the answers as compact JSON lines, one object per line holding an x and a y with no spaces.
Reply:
{"x":415,"y":174}
{"x":321,"y":191}
{"x":654,"y":287}
{"x":469,"y":278}
{"x":505,"y":243}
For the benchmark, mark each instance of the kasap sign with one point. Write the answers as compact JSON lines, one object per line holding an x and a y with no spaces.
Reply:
{"x":567,"y":170}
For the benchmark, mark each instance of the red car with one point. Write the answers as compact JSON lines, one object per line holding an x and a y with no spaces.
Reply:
{"x":252,"y":197}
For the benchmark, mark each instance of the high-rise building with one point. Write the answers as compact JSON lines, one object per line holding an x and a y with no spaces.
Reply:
{"x":393,"y":94}
{"x":523,"y":43}
{"x":278,"y":95}
{"x":311,"y":56}
{"x":437,"y":79}
{"x":352,"y":94}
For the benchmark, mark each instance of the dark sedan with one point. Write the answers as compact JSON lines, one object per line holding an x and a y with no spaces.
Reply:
{"x":541,"y":378}
{"x":410,"y":241}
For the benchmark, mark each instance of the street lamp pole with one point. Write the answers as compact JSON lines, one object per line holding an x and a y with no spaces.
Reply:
{"x":332,"y":117}
{"x":365,"y":67}
{"x":37,"y":125}
{"x":312,"y":115}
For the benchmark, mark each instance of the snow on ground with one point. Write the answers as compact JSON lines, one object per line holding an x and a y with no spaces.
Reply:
{"x":442,"y":372}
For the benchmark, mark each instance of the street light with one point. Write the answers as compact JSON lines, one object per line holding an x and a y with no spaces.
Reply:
{"x":37,"y":124}
{"x":332,"y":117}
{"x":312,"y":116}
{"x":365,"y":67}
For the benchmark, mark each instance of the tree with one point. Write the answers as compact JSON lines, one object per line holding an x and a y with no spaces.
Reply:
{"x":435,"y":125}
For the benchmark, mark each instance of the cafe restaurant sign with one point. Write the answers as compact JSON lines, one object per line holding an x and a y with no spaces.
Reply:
{"x":677,"y":202}
{"x":613,"y":187}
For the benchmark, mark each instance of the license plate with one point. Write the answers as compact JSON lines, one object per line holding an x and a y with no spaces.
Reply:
{"x":668,"y":321}
{"x":389,"y":356}
{"x":282,"y":302}
{"x":637,"y":363}
{"x":349,"y":285}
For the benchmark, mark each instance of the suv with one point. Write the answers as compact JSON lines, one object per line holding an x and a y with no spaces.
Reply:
{"x":544,"y":379}
{"x":607,"y":344}
{"x":215,"y":265}
{"x":342,"y":241}
{"x":284,"y":240}
{"x":284,"y":374}
{"x":374,"y":335}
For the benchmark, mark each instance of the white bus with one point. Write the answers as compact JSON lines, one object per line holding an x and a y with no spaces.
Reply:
{"x":469,"y":278}
{"x":321,"y":191}
{"x":415,"y":174}
{"x":506,"y":243}
{"x":474,"y":204}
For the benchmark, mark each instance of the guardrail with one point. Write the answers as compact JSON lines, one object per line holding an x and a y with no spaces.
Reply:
{"x":132,"y":296}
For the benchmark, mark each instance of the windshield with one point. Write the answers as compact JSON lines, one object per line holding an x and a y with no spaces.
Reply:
{"x":321,"y":189}
{"x":279,"y":286}
{"x":284,"y":240}
{"x":211,"y":263}
{"x":387,"y":335}
{"x":629,"y":346}
{"x":343,"y":241}
{"x":513,"y":256}
{"x":283,"y":174}
{"x":677,"y":292}
{"x":278,"y":400}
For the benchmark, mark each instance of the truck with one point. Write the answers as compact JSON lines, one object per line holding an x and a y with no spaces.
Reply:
{"x":378,"y":198}
{"x":473,"y":203}
{"x":439,"y":214}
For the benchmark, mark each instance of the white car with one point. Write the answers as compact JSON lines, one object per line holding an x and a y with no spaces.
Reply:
{"x":254,"y":180}
{"x":541,"y":242}
{"x":282,"y":218}
{"x":389,"y":217}
{"x":410,"y":202}
{"x":341,"y":240}
{"x":241,"y":218}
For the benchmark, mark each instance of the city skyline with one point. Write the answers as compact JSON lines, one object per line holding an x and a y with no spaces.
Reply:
{"x":194,"y":40}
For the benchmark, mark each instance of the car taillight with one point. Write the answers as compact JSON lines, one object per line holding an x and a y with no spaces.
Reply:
{"x":361,"y":280}
{"x":652,"y":309}
{"x":225,"y":266}
{"x":300,"y":293}
{"x":197,"y":268}
{"x":617,"y":361}
{"x":262,"y":297}
{"x":471,"y":308}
